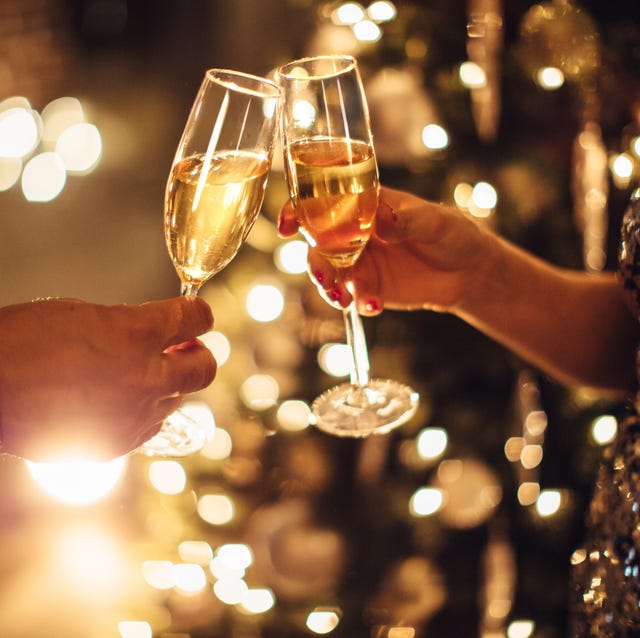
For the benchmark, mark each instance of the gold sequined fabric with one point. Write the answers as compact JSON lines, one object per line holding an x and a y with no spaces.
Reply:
{"x":606,"y":571}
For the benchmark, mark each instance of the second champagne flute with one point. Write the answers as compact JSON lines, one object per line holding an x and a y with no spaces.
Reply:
{"x":332,"y":176}
{"x":213,"y":196}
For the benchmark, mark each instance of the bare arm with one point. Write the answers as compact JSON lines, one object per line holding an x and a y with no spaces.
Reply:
{"x":573,"y":325}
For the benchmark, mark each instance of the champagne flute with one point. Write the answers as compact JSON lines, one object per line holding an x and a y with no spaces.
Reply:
{"x":213,"y":196}
{"x":332,"y":177}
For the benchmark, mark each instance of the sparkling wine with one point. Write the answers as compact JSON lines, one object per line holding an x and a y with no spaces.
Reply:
{"x":210,"y":209}
{"x":335,"y":191}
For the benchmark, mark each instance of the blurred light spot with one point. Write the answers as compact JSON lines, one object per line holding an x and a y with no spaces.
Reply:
{"x":348,"y":13}
{"x":425,"y":501}
{"x":528,"y":493}
{"x":198,"y":552}
{"x":335,"y":359}
{"x":78,"y":482}
{"x":43,"y":177}
{"x":19,"y":132}
{"x":260,"y":392}
{"x":432,"y":442}
{"x":59,"y":115}
{"x":604,"y":429}
{"x":257,"y":601}
{"x":215,"y":509}
{"x":90,"y":561}
{"x":622,"y":165}
{"x":304,"y":113}
{"x":531,"y":456}
{"x":236,"y":555}
{"x":435,"y":137}
{"x":293,"y":415}
{"x":201,"y":413}
{"x":323,"y":621}
{"x":230,"y":591}
{"x":223,"y":570}
{"x":189,"y":577}
{"x":265,"y":303}
{"x":548,"y":503}
{"x":158,"y":574}
{"x":536,"y":422}
{"x":513,"y":448}
{"x":135,"y":629}
{"x":381,"y":11}
{"x":520,"y":629}
{"x":401,"y":632}
{"x":484,"y":195}
{"x":218,"y":344}
{"x":291,"y":257}
{"x":168,"y":477}
{"x":415,"y":48}
{"x":550,"y":78}
{"x":80,"y":147}
{"x":219,"y":446}
{"x":578,"y":556}
{"x":367,"y":31}
{"x":10,"y":169}
{"x":635,"y":146}
{"x":472,"y":75}
{"x":462,"y":194}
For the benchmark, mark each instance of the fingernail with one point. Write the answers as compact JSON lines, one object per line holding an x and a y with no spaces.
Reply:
{"x":372,"y":305}
{"x":335,"y":294}
{"x":318,"y":276}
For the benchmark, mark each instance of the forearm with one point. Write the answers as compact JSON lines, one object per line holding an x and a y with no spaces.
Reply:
{"x":574,"y":326}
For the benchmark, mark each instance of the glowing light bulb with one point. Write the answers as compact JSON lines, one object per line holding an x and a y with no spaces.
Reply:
{"x":78,"y":482}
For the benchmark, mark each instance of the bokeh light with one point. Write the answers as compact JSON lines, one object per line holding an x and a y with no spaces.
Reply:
{"x":80,"y":147}
{"x":265,"y":302}
{"x":426,"y":501}
{"x":168,"y":477}
{"x":43,"y":177}
{"x":323,"y":621}
{"x":260,"y":392}
{"x":335,"y":359}
{"x":604,"y":429}
{"x":216,"y":509}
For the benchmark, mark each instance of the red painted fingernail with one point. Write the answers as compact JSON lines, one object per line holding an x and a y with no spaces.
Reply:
{"x":319,"y":276}
{"x":335,"y":294}
{"x":372,"y":305}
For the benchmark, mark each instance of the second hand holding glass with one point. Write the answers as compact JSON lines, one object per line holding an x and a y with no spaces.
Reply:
{"x":213,"y":197}
{"x":333,"y":183}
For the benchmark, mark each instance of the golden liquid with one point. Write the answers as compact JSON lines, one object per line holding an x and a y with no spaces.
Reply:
{"x":209,"y":215}
{"x":334,"y":186}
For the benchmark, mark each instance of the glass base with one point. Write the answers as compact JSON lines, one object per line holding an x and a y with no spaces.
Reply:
{"x":350,"y":411}
{"x":180,"y":435}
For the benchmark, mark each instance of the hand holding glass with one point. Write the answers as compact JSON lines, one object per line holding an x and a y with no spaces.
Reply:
{"x":213,"y":197}
{"x":332,"y":176}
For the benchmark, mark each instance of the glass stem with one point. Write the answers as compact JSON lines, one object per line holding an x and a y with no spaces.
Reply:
{"x":189,"y":288}
{"x":358,"y":344}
